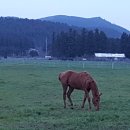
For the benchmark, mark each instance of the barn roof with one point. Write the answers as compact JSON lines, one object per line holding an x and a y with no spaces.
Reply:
{"x":110,"y":55}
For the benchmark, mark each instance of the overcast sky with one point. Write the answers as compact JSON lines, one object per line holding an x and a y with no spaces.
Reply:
{"x":115,"y":11}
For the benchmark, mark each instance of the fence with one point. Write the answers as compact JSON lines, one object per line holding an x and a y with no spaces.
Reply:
{"x":67,"y":64}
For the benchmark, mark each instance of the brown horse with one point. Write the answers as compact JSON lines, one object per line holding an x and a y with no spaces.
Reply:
{"x":71,"y":80}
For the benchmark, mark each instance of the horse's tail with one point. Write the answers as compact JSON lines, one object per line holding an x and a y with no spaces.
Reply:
{"x":59,"y":77}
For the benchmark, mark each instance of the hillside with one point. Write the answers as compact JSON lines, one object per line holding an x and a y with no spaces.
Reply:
{"x":17,"y":35}
{"x":110,"y":29}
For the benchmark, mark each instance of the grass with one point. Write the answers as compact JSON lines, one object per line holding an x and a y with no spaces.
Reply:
{"x":31,"y":98}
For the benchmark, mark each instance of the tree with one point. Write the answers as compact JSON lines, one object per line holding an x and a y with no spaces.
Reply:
{"x":33,"y":52}
{"x":125,"y":43}
{"x":85,"y":43}
{"x":90,"y":46}
{"x":103,"y":41}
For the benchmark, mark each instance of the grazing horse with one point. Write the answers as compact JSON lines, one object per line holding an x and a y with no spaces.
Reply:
{"x":71,"y":80}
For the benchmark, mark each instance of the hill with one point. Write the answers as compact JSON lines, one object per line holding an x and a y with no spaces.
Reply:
{"x":18,"y":35}
{"x":110,"y":29}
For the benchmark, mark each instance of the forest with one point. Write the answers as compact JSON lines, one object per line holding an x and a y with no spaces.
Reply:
{"x":86,"y":43}
{"x":17,"y":36}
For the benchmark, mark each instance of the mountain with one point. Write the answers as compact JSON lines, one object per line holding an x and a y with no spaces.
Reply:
{"x":34,"y":29}
{"x":17,"y":35}
{"x":111,"y":30}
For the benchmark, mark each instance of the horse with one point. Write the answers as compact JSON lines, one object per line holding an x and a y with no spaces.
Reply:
{"x":71,"y":80}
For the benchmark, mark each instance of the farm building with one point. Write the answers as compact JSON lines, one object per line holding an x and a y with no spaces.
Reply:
{"x":113,"y":56}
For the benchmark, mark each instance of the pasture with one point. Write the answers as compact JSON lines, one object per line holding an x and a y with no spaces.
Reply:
{"x":31,"y":96}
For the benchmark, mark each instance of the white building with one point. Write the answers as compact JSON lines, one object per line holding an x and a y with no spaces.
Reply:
{"x":114,"y":56}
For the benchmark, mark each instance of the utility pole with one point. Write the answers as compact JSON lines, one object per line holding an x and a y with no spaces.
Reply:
{"x":46,"y":47}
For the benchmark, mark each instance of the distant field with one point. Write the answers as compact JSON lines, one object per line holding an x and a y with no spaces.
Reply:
{"x":31,"y":96}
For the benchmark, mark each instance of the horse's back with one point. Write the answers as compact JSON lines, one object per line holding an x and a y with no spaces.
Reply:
{"x":77,"y":80}
{"x":80,"y":80}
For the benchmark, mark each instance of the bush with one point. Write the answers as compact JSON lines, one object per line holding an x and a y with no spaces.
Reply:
{"x":33,"y":52}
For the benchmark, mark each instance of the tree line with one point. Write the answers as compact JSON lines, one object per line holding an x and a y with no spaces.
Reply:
{"x":87,"y":42}
{"x":17,"y":36}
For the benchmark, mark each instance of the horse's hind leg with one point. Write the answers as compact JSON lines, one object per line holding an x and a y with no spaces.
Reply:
{"x":68,"y":95}
{"x":64,"y":95}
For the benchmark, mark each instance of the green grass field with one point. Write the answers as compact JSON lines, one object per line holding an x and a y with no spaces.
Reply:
{"x":31,"y":97}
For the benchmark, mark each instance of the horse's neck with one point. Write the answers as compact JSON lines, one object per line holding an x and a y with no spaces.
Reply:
{"x":94,"y":90}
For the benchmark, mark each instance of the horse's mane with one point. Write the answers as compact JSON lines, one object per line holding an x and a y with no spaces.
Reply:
{"x":94,"y":89}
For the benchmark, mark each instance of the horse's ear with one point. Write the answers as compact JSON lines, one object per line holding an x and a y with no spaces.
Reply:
{"x":100,"y":94}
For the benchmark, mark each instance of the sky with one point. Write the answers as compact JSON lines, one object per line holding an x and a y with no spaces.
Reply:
{"x":114,"y":11}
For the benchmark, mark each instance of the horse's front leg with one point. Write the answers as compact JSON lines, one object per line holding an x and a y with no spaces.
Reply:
{"x":86,"y":95}
{"x":89,"y":101}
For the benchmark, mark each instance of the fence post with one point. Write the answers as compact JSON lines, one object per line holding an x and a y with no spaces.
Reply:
{"x":68,"y":65}
{"x":112,"y":65}
{"x":83,"y":65}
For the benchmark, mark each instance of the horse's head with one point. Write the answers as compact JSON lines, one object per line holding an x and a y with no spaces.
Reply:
{"x":96,"y":101}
